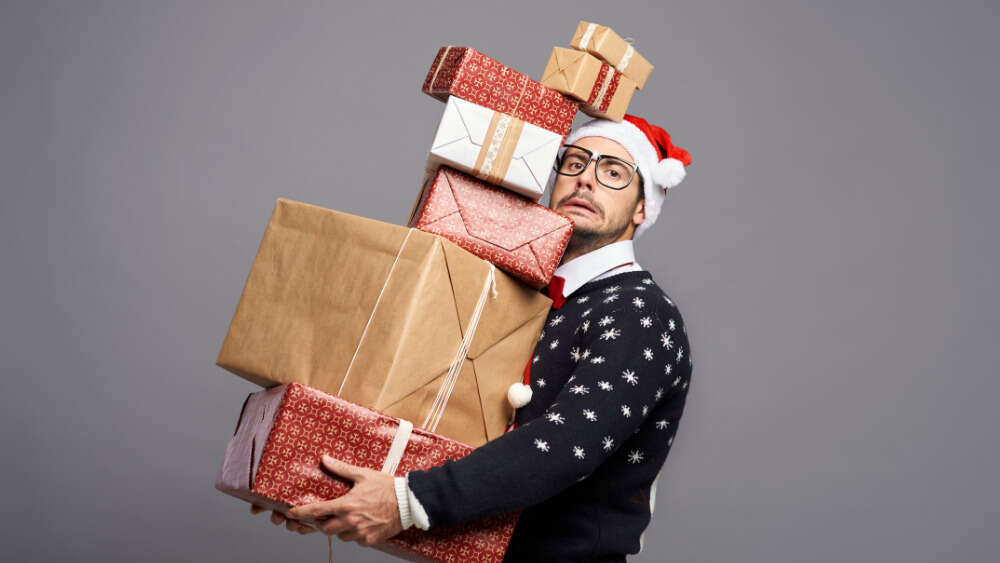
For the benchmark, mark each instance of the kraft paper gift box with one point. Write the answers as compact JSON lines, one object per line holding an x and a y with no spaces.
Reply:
{"x":523,"y":238}
{"x":602,"y":42}
{"x":604,"y":91}
{"x":469,"y":74}
{"x":273,"y":460}
{"x":396,"y":319}
{"x":495,"y":147}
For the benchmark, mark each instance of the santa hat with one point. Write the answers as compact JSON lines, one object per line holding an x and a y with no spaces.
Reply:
{"x":660,"y":163}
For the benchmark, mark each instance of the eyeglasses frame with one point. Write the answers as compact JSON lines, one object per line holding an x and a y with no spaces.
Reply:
{"x":595,"y":157}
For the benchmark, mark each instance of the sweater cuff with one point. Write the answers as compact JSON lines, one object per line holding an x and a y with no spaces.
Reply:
{"x":403,"y":501}
{"x":417,"y":513}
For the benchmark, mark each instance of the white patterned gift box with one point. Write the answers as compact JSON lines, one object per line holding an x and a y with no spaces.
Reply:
{"x":495,"y":147}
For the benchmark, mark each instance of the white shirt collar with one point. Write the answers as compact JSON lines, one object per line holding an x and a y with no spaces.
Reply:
{"x":608,"y":259}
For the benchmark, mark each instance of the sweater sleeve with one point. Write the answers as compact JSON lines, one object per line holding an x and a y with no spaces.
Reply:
{"x":631,"y":360}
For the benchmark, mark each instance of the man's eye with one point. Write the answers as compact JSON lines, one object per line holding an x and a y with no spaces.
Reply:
{"x":614,"y":173}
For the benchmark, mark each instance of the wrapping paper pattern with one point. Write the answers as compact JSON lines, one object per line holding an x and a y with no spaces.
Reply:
{"x":519,"y":236}
{"x":309,"y":423}
{"x":469,"y":74}
{"x":495,"y":147}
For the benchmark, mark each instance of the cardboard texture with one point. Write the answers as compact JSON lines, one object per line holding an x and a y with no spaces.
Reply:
{"x":273,"y":460}
{"x":495,"y":147}
{"x":376,"y":314}
{"x":469,"y":74}
{"x":602,"y":42}
{"x":523,"y":238}
{"x":604,"y":91}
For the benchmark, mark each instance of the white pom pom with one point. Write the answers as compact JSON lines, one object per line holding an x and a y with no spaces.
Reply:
{"x":668,"y":172}
{"x":519,"y":395}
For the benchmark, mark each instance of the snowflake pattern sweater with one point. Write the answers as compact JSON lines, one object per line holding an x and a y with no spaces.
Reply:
{"x":609,"y":377}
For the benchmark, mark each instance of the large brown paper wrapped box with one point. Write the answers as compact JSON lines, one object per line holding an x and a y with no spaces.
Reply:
{"x":376,"y":314}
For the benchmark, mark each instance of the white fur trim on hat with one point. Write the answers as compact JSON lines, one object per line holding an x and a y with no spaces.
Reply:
{"x":657,"y":175}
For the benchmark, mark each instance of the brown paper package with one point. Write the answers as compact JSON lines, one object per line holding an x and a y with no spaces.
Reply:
{"x":576,"y":73}
{"x":608,"y":46}
{"x":314,"y":285}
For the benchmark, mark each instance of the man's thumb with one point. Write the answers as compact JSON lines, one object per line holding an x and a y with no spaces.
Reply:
{"x":342,"y":468}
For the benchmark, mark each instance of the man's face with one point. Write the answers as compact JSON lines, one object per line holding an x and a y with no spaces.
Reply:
{"x":599,"y":213}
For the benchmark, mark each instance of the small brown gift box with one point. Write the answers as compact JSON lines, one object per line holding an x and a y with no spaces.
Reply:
{"x":395,"y":319}
{"x":604,"y":91}
{"x":602,"y":42}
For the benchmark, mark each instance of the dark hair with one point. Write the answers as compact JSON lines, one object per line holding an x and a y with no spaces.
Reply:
{"x":642,"y":189}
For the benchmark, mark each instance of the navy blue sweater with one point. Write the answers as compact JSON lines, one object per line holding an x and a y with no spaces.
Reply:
{"x":609,"y":377}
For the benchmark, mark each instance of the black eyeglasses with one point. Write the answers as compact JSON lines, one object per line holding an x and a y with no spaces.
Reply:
{"x":610,"y":171}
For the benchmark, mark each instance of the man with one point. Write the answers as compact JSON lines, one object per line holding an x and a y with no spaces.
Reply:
{"x":608,"y":381}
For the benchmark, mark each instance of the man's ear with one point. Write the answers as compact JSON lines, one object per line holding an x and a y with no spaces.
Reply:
{"x":639,"y":215}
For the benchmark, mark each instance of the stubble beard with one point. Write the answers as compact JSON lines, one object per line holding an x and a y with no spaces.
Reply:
{"x":584,"y":240}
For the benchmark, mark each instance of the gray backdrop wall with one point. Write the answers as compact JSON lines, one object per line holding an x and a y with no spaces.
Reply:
{"x":833,"y":250}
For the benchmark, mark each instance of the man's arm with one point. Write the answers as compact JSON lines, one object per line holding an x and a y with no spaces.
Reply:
{"x":608,"y":396}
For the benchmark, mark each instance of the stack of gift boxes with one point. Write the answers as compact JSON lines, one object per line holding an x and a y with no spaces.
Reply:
{"x":395,"y":348}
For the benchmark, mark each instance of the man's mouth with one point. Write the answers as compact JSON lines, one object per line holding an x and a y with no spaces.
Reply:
{"x":577,"y":204}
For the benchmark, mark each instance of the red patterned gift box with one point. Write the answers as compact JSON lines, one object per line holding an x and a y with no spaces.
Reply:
{"x":468,"y":74}
{"x":517,"y":235}
{"x":273,"y":460}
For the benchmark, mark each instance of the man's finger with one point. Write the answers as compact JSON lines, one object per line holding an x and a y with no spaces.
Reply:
{"x":343,"y":469}
{"x":254,"y":509}
{"x":335,"y":526}
{"x":277,"y":518}
{"x":317,"y":510}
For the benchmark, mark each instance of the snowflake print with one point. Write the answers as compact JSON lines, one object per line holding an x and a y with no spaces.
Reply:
{"x":639,"y":303}
{"x":604,"y":385}
{"x":535,"y":359}
{"x":647,"y":353}
{"x":541,"y":336}
{"x":647,"y":281}
{"x":670,"y":441}
{"x":557,"y":320}
{"x":635,"y":456}
{"x":667,"y":342}
{"x":586,"y":354}
{"x":684,"y":385}
{"x":597,"y":360}
{"x":668,"y":369}
{"x":589,"y":415}
{"x":605,"y":321}
{"x":639,"y":288}
{"x":585,"y":313}
{"x":671,"y":324}
{"x":554,"y":343}
{"x":578,"y":452}
{"x":611,"y":334}
{"x":626,"y":411}
{"x":579,"y":390}
{"x":571,"y":378}
{"x":645,"y":410}
{"x":659,"y":393}
{"x":555,"y":417}
{"x":661,"y":424}
{"x":540,"y":383}
{"x":575,"y":354}
{"x":629,"y":376}
{"x":680,"y":353}
{"x":541,"y":444}
{"x":607,"y":443}
{"x":583,"y":299}
{"x":646,"y":322}
{"x":585,"y":326}
{"x":612,"y":289}
{"x":676,"y":381}
{"x":611,"y":298}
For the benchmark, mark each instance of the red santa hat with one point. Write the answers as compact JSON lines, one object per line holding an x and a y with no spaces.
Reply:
{"x":661,"y":164}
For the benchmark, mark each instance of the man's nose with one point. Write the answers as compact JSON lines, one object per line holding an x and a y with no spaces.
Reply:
{"x":587,"y":178}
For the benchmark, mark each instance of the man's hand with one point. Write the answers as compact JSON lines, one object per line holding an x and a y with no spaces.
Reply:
{"x":277,"y":518}
{"x":367,"y":514}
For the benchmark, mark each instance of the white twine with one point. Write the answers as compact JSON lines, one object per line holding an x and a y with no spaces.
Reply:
{"x":444,"y":392}
{"x":629,"y":51}
{"x":372,"y":315}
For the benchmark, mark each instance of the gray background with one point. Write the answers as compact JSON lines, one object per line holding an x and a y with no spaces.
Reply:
{"x":830,"y":249}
